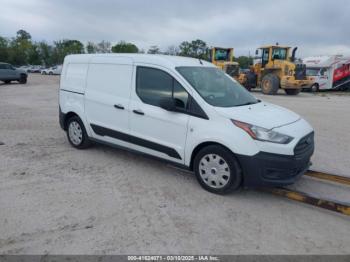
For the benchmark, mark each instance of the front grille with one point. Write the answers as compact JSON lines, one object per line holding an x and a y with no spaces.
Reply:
{"x":305,"y":145}
{"x":300,"y":72}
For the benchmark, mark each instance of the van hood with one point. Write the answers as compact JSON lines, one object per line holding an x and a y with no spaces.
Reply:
{"x":261,"y":114}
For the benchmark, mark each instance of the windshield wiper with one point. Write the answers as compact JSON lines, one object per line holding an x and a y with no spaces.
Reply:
{"x":250,"y":103}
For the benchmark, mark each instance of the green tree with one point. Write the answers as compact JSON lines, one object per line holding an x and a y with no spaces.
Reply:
{"x":34,"y":57}
{"x":102,"y":47}
{"x":66,"y":47}
{"x":23,"y":35}
{"x":19,"y":48}
{"x":45,"y":51}
{"x":153,"y":50}
{"x":91,"y":48}
{"x":124,"y":47}
{"x":196,"y":48}
{"x":4,"y":54}
{"x":244,"y":61}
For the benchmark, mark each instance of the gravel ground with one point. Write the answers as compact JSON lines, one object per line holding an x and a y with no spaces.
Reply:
{"x":58,"y":200}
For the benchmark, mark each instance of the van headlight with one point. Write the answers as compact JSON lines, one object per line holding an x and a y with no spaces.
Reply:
{"x":263,"y":134}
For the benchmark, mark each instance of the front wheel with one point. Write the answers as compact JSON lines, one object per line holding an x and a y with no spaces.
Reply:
{"x":23,"y":79}
{"x":292,"y":92}
{"x":314,"y":88}
{"x":76,"y":133}
{"x":7,"y":81}
{"x":217,"y":170}
{"x":270,"y":84}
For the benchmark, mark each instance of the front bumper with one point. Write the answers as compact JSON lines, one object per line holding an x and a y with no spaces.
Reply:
{"x":289,"y":82}
{"x":268,"y":169}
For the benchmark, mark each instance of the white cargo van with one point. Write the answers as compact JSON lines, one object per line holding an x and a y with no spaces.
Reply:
{"x":185,"y":111}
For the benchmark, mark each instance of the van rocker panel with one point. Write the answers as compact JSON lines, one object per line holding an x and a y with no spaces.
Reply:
{"x":102,"y":131}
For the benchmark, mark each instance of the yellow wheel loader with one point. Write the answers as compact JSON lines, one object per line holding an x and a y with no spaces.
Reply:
{"x":223,"y":59}
{"x":275,"y":69}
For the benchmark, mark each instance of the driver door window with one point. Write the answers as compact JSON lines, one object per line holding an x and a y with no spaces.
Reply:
{"x":153,"y":85}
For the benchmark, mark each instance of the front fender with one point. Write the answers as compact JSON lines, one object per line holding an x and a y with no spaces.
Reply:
{"x":222,"y":132}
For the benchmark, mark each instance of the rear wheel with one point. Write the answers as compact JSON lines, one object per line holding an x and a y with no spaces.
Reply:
{"x":76,"y":133}
{"x":292,"y":92}
{"x":50,"y":73}
{"x":270,"y":84}
{"x":217,"y":170}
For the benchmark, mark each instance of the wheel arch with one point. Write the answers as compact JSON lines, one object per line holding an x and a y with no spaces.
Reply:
{"x":205,"y":144}
{"x":67,"y":116}
{"x":273,"y":71}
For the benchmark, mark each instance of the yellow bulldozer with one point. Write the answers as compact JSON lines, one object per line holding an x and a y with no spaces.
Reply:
{"x":275,"y":68}
{"x":223,"y":59}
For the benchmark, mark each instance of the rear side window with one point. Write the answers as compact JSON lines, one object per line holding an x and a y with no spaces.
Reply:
{"x":5,"y":66}
{"x":153,"y":85}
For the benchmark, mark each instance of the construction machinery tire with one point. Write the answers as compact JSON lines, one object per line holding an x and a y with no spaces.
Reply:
{"x":270,"y":84}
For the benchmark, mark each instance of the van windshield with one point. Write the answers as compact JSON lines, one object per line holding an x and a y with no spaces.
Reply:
{"x":215,"y":87}
{"x":312,"y":71}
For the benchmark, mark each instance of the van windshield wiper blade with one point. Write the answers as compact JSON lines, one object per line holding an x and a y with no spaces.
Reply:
{"x":250,"y":103}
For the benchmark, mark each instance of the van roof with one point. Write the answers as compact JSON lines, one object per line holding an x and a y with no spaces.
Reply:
{"x":324,"y":61}
{"x":162,"y":60}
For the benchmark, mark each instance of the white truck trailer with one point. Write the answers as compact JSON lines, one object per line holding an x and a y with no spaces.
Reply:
{"x":328,"y":72}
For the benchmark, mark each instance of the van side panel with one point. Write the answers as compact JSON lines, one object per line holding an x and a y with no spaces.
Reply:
{"x":107,"y":97}
{"x":72,"y":88}
{"x":74,"y":77}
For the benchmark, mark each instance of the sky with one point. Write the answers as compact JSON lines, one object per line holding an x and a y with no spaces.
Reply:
{"x":317,"y":27}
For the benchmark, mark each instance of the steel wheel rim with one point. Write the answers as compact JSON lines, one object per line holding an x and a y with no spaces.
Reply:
{"x":214,"y":171}
{"x":266,"y":84}
{"x":75,"y":133}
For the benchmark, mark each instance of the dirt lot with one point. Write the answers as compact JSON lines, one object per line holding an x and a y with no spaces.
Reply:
{"x":58,"y":200}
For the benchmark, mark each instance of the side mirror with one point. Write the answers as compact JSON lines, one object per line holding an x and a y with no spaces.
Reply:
{"x":168,"y":104}
{"x":256,"y":52}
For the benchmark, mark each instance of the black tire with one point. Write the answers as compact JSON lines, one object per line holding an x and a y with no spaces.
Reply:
{"x":292,"y":92}
{"x":23,"y":79}
{"x":251,"y":81}
{"x":314,"y":88}
{"x":270,"y":84}
{"x":50,"y":73}
{"x":233,"y":181}
{"x":7,"y":81}
{"x":43,"y":73}
{"x":85,"y":142}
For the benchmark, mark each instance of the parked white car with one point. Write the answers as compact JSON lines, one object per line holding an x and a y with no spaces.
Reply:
{"x":185,"y":111}
{"x":55,"y":70}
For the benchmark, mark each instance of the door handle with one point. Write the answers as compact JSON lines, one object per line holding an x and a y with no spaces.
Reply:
{"x":138,"y":111}
{"x":119,"y":106}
